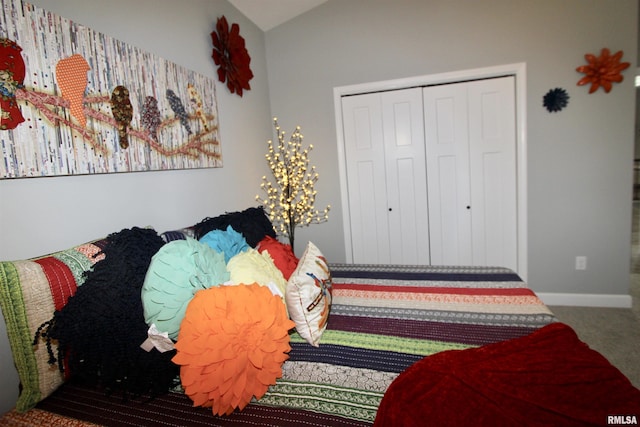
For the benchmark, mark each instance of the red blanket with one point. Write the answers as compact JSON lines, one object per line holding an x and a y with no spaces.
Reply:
{"x":548,"y":378}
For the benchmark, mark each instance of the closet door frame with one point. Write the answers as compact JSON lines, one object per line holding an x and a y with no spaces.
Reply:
{"x":518,"y":70}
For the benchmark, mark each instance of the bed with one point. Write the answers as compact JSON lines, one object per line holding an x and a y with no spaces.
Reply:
{"x":403,"y":345}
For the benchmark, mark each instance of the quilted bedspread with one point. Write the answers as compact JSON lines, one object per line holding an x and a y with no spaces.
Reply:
{"x":383,"y":320}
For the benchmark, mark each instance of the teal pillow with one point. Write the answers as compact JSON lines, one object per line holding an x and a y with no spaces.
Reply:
{"x":177,"y":271}
{"x":228,"y":241}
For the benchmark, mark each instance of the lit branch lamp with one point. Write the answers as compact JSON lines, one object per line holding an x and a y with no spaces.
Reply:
{"x":290,"y":200}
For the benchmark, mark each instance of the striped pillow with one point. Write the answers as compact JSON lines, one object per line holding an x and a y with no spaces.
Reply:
{"x":30,"y":291}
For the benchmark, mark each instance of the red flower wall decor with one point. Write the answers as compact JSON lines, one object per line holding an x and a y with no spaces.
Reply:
{"x":12,"y":72}
{"x":602,"y":71}
{"x":231,"y":56}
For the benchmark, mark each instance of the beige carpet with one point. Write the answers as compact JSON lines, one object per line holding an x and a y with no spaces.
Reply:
{"x":614,"y":332}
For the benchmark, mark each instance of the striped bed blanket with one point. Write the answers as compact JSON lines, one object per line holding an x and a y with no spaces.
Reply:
{"x":383,"y":320}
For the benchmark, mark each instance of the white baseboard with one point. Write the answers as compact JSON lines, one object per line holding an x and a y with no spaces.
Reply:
{"x":586,"y":300}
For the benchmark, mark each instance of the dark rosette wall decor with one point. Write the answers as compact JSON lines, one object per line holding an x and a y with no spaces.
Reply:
{"x":231,"y":56}
{"x":555,"y":100}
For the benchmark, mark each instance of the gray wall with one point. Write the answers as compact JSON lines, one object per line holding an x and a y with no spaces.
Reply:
{"x":579,"y":160}
{"x":42,"y":215}
{"x":637,"y":128}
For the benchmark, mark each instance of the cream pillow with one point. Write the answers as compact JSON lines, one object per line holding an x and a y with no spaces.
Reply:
{"x":308,"y":295}
{"x":252,"y":266}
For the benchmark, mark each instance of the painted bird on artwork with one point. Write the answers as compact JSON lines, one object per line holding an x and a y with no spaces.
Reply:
{"x":122,"y":111}
{"x":71,"y":75}
{"x":196,"y":101}
{"x":150,"y":119}
{"x":178,"y":108}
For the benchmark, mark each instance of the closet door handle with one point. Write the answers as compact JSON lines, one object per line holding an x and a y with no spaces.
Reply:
{"x":468,"y":207}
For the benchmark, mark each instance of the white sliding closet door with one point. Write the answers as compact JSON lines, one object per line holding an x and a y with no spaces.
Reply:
{"x":492,"y":153}
{"x":385,"y":157}
{"x":471,"y":164}
{"x":447,"y":142}
{"x":431,"y":174}
{"x":406,"y":176}
{"x":364,"y":152}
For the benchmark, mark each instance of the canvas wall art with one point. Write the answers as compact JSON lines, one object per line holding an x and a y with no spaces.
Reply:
{"x":75,"y":101}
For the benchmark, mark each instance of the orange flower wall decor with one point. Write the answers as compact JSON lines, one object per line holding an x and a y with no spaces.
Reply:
{"x":231,"y":346}
{"x":231,"y":56}
{"x":602,"y":71}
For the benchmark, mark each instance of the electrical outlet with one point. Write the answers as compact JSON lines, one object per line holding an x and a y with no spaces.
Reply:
{"x":581,"y":263}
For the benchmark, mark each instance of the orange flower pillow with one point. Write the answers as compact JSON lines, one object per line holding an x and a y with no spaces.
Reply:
{"x":231,"y":346}
{"x":308,"y":295}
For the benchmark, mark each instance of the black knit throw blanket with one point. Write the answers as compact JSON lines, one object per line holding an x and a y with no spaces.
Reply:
{"x":252,"y":223}
{"x":100,"y":330}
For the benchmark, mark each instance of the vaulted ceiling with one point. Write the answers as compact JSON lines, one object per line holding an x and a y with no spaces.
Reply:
{"x":267,"y":14}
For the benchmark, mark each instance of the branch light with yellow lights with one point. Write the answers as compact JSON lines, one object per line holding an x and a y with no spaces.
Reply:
{"x":289,"y":200}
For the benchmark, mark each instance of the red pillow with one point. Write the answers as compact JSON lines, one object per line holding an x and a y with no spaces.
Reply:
{"x":282,"y":255}
{"x":549,"y":377}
